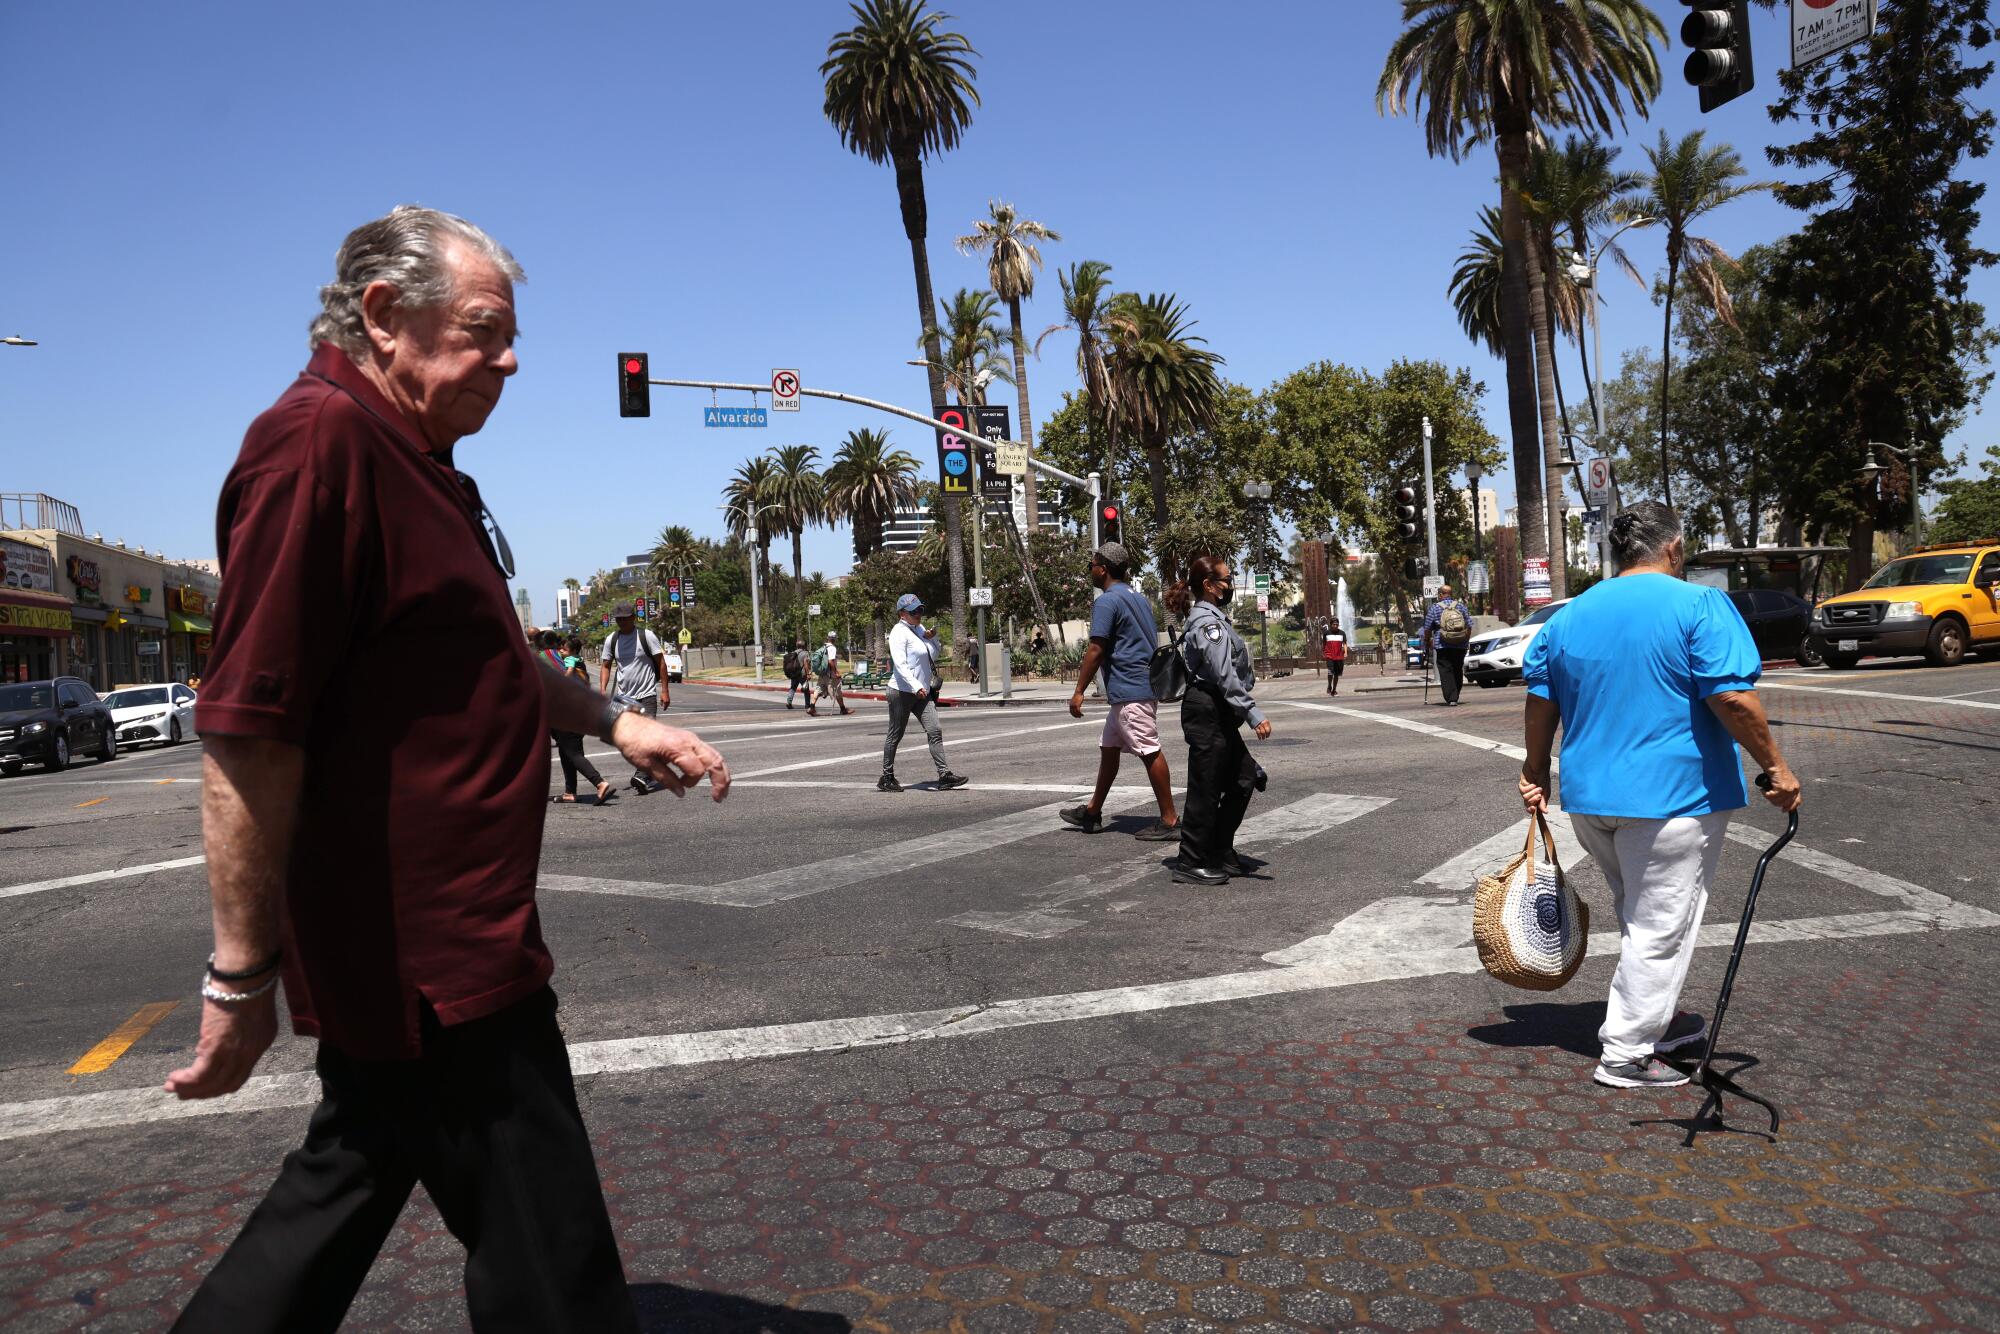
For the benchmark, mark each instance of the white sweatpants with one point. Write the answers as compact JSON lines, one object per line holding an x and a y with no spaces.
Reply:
{"x":1659,"y":871}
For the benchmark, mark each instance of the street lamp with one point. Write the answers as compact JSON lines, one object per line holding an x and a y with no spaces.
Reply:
{"x":1908,"y":456}
{"x":1589,"y":269}
{"x":1259,"y":496}
{"x":1473,"y":472}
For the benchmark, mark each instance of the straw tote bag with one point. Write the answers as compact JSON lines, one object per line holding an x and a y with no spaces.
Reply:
{"x":1531,"y":928}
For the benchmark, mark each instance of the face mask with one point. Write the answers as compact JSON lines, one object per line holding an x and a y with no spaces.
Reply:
{"x":1226,"y":592}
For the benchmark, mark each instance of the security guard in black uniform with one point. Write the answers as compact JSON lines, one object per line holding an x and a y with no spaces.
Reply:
{"x":1221,"y":774}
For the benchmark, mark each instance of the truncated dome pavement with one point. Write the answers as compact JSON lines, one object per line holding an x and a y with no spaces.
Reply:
{"x":1437,"y":1178}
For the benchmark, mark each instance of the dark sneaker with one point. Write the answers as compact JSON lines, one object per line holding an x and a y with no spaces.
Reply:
{"x":1686,"y":1028}
{"x":946,"y":782}
{"x":640,"y":785}
{"x":1159,"y":832}
{"x":888,"y":783}
{"x":1084,"y":818}
{"x":1650,"y":1073}
{"x":1187,"y":873}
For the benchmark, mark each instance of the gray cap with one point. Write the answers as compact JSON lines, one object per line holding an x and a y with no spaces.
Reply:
{"x":1114,"y":554}
{"x":621,"y":611}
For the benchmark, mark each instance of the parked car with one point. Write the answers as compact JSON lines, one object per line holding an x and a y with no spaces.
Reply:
{"x":1941,"y":601}
{"x":48,"y":722}
{"x":152,"y":713}
{"x":1495,"y":658}
{"x":1780,"y":622}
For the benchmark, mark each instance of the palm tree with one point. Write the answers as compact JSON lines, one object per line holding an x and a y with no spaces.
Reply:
{"x":898,"y":89}
{"x":1687,"y":181}
{"x":867,"y":482}
{"x":973,"y":344}
{"x":1164,"y":384}
{"x":1500,"y":70}
{"x":797,"y":495}
{"x":747,"y":495}
{"x":1577,"y":190}
{"x":1086,"y":300}
{"x":1475,"y":283}
{"x":1011,"y":260}
{"x":676,"y":552}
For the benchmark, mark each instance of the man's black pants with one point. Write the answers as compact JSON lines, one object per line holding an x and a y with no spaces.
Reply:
{"x":1451,"y":671}
{"x":1221,"y":776}
{"x":487,"y":1120}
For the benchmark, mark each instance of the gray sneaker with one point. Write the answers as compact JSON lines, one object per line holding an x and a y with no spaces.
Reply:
{"x":1650,"y":1073}
{"x":1686,"y":1028}
{"x":1159,"y":832}
{"x":1082,"y":817}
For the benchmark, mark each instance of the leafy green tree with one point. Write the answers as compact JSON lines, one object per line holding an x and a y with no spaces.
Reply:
{"x":797,"y":496}
{"x":1504,"y":71}
{"x":898,"y":90}
{"x":1012,"y":256}
{"x":1897,"y":349}
{"x":1971,"y":506}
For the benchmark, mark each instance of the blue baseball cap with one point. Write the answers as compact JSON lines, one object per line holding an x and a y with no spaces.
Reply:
{"x":909,"y":602}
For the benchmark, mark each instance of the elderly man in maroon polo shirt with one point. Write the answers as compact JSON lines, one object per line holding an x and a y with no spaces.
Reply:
{"x":377,"y":845}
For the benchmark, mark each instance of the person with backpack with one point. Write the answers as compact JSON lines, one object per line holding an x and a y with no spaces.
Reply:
{"x":1122,"y":640}
{"x":1333,"y":651}
{"x":795,"y":672}
{"x":1221,"y":774}
{"x":1447,"y":632}
{"x":635,"y":672}
{"x":826,"y":666}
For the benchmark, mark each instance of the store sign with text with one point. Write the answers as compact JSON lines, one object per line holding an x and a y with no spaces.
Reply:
{"x":84,"y":578}
{"x":26,"y":567}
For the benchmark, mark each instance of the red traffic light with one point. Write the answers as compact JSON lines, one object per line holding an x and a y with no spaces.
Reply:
{"x":1111,"y":514}
{"x":633,"y":366}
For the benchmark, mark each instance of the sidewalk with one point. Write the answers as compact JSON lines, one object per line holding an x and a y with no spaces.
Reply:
{"x":1443,"y":1176}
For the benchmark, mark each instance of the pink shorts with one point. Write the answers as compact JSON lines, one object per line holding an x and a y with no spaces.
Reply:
{"x":1132,"y":727}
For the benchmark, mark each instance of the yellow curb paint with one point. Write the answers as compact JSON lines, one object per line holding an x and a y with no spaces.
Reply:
{"x":101,"y":1057}
{"x":94,"y":801}
{"x":164,"y":781}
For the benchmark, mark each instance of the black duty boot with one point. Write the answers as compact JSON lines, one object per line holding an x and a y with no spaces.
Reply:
{"x":888,"y":783}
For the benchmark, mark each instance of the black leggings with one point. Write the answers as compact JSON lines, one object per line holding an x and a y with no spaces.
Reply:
{"x":569,"y":746}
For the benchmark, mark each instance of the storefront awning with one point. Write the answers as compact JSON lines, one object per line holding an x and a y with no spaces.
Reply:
{"x":27,"y":613}
{"x":189,"y":625}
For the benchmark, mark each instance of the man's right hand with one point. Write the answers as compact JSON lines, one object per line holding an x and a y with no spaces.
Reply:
{"x":673,"y":757}
{"x":1076,"y":705}
{"x":1784,"y":790}
{"x":232,"y":1038}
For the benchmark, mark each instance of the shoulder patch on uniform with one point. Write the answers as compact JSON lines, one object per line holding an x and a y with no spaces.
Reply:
{"x":1215,"y":632}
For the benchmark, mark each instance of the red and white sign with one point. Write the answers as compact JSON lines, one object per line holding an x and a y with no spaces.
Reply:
{"x":1597,"y":483}
{"x":1822,"y":27}
{"x":784,"y":391}
{"x":1535,"y":589}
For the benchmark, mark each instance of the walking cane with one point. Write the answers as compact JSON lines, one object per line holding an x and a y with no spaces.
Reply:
{"x":1717,"y":1084}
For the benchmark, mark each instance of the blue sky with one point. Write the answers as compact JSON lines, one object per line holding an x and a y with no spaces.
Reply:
{"x":179,"y":176}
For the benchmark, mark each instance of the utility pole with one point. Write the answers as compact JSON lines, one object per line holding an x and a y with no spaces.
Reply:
{"x":1430,"y":507}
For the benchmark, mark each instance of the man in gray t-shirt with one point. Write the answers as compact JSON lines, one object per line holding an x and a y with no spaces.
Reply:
{"x":634,"y":652}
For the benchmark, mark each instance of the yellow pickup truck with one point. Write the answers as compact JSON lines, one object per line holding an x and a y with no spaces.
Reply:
{"x":1941,"y":601}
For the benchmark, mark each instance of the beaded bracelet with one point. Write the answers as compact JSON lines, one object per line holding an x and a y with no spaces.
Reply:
{"x":210,"y":991}
{"x":247,"y":973}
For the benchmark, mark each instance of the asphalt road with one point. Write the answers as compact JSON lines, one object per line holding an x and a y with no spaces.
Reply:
{"x":812,"y":934}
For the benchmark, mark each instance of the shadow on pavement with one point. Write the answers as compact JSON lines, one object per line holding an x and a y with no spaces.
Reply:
{"x":666,"y":1306}
{"x":1571,"y":1028}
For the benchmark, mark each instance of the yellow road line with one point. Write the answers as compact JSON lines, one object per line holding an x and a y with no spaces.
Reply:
{"x":94,"y":801}
{"x":164,"y":781}
{"x":100,"y":1058}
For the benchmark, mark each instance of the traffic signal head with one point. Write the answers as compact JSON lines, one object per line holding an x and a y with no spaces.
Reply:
{"x":1413,"y":568}
{"x":1409,"y":513}
{"x":635,"y":395}
{"x":1717,"y":35}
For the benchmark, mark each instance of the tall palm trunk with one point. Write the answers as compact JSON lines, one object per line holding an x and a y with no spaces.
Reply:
{"x":1517,"y":338}
{"x":1027,"y":424}
{"x":1666,"y":368}
{"x":798,"y":578}
{"x":1546,"y":411}
{"x":916,"y":224}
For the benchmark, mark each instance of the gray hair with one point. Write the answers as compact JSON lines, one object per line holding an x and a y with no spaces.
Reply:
{"x":1642,"y":533}
{"x":405,"y":248}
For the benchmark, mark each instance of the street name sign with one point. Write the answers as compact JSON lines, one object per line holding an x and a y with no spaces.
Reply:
{"x":978,"y":597}
{"x":954,"y":451}
{"x":1597,"y":483}
{"x":995,"y":483}
{"x":785,"y":390}
{"x":1822,"y":27}
{"x":735,"y":417}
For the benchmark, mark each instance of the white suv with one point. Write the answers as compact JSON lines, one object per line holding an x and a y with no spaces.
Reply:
{"x":1494,"y":658}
